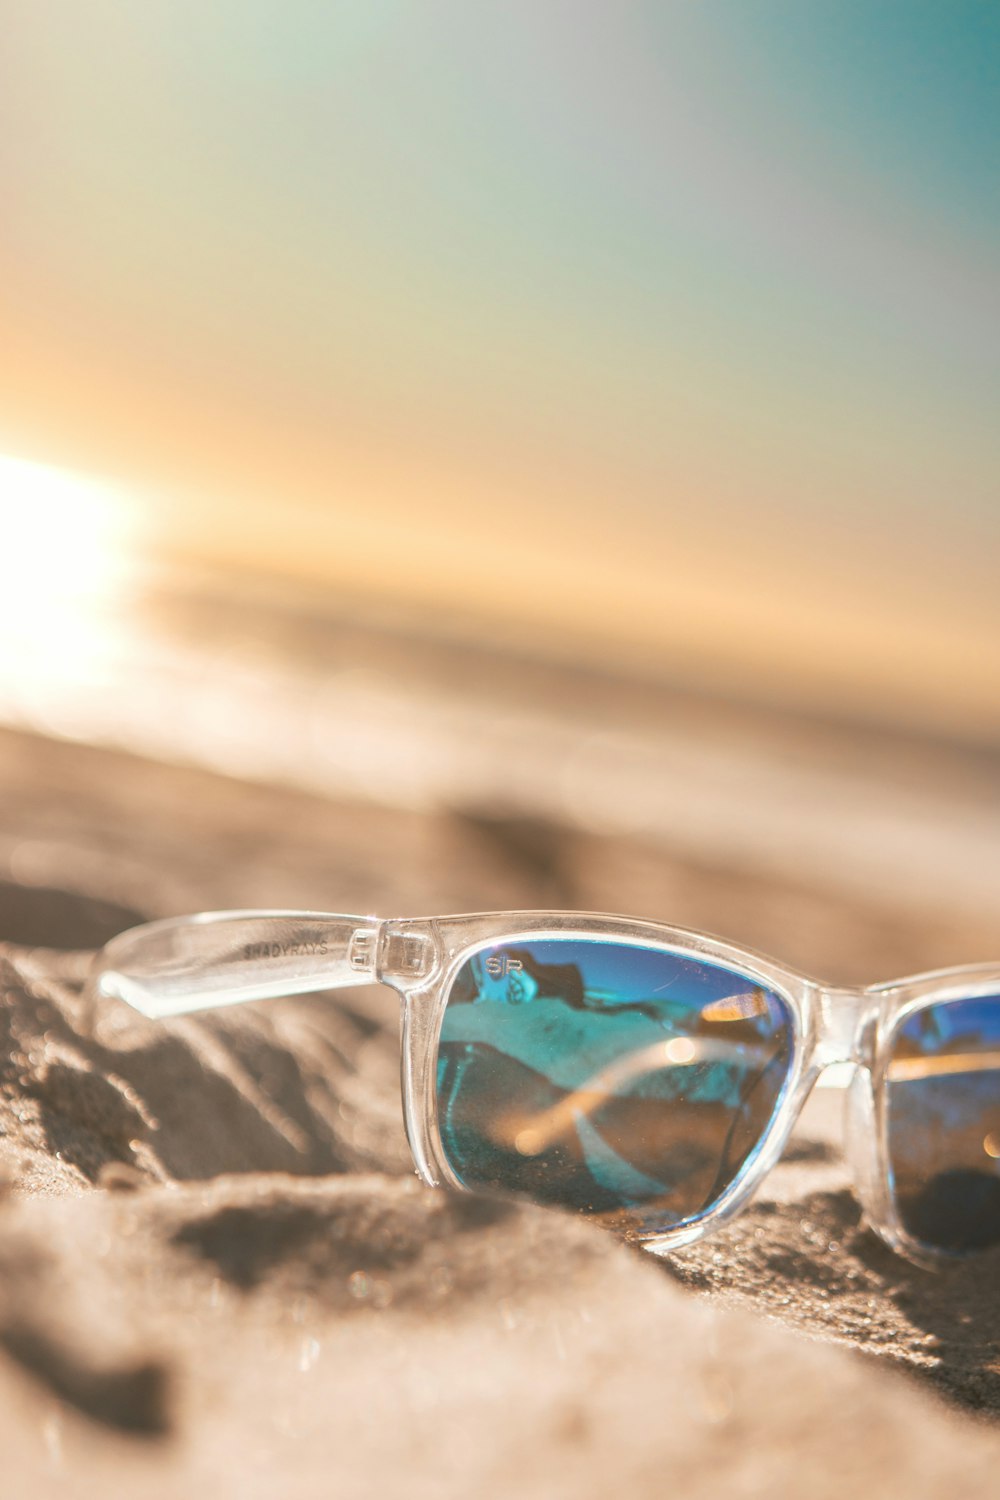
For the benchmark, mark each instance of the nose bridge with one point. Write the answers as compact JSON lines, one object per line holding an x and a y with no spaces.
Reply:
{"x":842,"y":1030}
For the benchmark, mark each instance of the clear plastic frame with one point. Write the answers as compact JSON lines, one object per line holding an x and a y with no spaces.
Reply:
{"x":214,"y":959}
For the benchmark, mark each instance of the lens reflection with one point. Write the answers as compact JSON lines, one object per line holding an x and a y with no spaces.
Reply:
{"x":607,"y":1076}
{"x":943,"y":1104}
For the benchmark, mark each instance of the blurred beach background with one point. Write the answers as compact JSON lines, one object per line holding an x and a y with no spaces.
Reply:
{"x":568,"y":414}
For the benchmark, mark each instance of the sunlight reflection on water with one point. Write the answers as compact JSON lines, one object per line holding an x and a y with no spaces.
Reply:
{"x":67,"y":575}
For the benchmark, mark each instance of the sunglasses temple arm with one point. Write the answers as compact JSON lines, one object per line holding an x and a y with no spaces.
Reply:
{"x":184,"y":964}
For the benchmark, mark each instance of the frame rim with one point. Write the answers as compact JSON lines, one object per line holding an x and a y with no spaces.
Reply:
{"x":461,"y":938}
{"x":899,"y":1002}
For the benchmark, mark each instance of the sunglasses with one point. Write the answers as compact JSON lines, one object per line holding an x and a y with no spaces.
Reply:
{"x":641,"y":1074}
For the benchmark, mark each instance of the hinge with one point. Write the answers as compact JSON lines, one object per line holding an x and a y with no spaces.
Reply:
{"x":406,"y":955}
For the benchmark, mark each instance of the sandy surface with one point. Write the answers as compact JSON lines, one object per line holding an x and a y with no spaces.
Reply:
{"x":218,"y":1274}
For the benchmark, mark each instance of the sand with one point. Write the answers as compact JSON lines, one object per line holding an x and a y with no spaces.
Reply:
{"x":218,"y":1274}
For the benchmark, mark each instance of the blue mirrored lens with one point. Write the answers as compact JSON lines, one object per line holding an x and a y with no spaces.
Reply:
{"x":943,"y":1112}
{"x":608,"y":1077}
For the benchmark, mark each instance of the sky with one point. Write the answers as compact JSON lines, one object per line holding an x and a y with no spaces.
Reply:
{"x":667,"y":329}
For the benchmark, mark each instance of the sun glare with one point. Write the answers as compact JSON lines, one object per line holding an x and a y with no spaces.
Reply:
{"x":65,"y":572}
